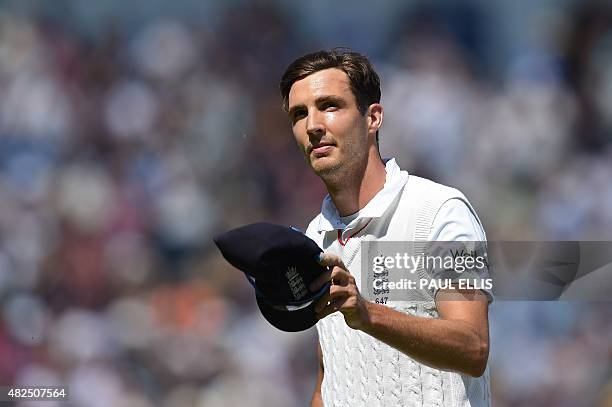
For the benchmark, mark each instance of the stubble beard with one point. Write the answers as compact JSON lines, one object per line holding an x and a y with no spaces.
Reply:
{"x":343,"y":170}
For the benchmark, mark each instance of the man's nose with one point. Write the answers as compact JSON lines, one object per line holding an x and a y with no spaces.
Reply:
{"x":314,"y":124}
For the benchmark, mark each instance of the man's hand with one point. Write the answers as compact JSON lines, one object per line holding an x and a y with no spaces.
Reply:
{"x":457,"y":340}
{"x":343,"y":294}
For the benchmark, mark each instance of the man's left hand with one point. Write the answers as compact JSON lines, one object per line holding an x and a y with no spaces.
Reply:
{"x":343,"y":294}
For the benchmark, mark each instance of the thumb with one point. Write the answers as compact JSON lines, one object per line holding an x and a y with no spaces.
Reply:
{"x":327,"y":259}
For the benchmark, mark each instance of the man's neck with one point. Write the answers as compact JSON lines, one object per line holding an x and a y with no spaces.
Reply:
{"x":351,"y":194}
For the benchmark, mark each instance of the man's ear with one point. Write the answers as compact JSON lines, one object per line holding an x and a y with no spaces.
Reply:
{"x":375,"y":117}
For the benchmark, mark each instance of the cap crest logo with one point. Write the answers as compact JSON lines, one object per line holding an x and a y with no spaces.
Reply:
{"x":296,"y":283}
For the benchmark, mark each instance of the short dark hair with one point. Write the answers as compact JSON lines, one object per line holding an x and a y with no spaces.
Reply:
{"x":363,"y":79}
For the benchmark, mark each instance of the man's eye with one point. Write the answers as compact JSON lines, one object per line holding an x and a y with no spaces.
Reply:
{"x":329,"y":106}
{"x":299,"y":114}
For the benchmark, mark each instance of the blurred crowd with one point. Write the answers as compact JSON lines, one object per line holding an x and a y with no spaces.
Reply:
{"x":123,"y":153}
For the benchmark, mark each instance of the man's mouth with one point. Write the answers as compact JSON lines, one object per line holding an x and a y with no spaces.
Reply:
{"x":322,"y":149}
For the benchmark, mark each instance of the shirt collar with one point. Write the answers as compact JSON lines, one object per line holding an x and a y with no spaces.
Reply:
{"x":394,"y":182}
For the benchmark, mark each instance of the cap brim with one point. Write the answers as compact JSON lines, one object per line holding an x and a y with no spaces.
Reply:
{"x":288,"y":321}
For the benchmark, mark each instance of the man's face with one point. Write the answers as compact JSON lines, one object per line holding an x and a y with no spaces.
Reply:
{"x":328,"y":127}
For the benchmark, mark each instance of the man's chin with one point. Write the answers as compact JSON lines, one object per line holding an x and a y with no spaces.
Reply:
{"x":324,"y":166}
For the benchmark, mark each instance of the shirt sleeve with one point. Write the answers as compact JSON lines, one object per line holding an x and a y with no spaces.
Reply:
{"x":456,"y":222}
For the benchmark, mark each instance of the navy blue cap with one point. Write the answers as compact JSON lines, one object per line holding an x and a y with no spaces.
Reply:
{"x":280,"y":263}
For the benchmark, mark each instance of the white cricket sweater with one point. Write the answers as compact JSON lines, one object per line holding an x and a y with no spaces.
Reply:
{"x":360,"y":370}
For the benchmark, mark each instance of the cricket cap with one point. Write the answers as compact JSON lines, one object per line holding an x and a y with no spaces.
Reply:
{"x":280,"y":262}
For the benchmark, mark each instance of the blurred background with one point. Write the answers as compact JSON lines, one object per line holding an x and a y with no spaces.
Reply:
{"x":132,"y":132}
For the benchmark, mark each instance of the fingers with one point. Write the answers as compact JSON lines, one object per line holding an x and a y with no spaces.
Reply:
{"x":327,"y":259}
{"x":320,"y":281}
{"x":340,"y":277}
{"x":336,"y":276}
{"x":335,"y":292}
{"x":338,"y":273}
{"x":321,"y":303}
{"x":341,"y":280}
{"x":333,"y":306}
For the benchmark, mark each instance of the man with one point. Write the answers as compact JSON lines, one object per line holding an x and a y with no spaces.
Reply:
{"x":432,"y":350}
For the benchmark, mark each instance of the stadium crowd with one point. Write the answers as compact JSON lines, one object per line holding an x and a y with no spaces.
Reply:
{"x":123,"y":152}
